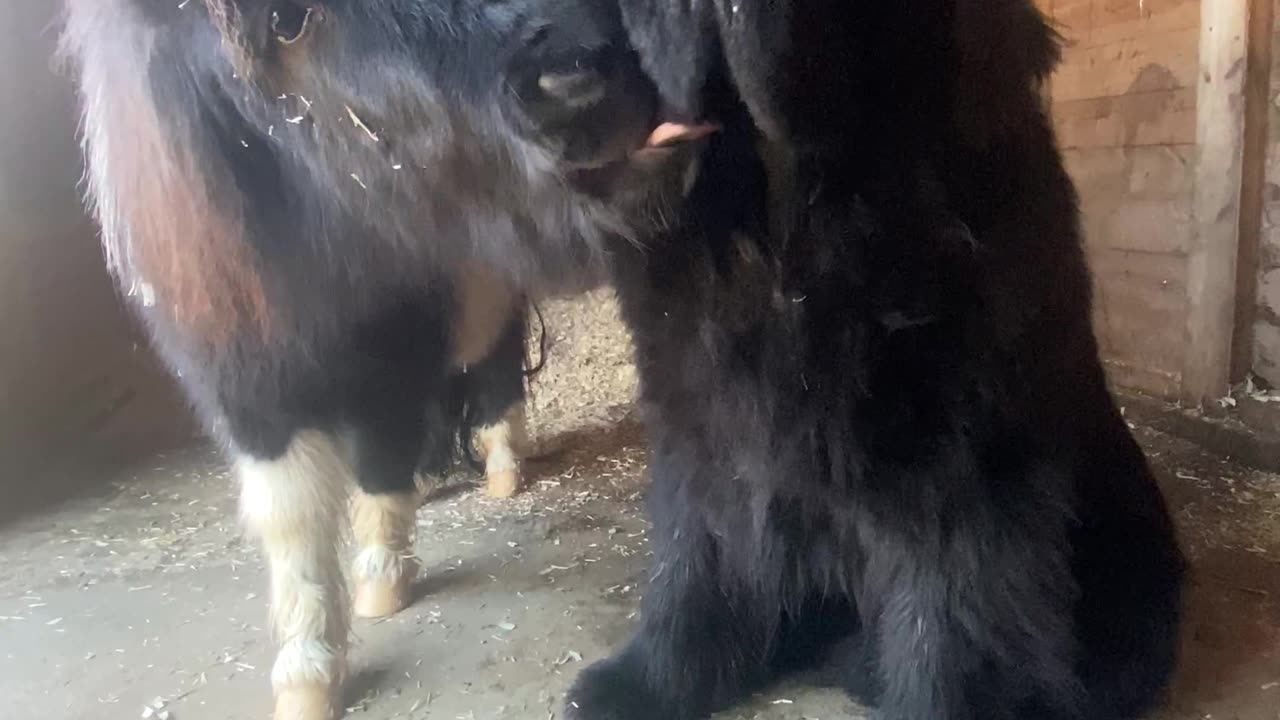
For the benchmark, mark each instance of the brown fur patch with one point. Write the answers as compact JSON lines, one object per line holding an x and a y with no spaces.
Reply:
{"x":485,"y":303}
{"x":193,"y":253}
{"x":161,"y":225}
{"x":225,"y":16}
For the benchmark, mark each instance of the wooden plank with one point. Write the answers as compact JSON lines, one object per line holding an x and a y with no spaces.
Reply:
{"x":1140,"y":308}
{"x":1073,"y":19}
{"x":1253,"y":183}
{"x":1115,"y":20}
{"x":1118,"y":12}
{"x":1088,"y":23}
{"x":1158,"y":384}
{"x":1150,"y":226}
{"x":1165,"y":117}
{"x":1158,"y":171}
{"x":1165,"y":271}
{"x":1135,"y":199}
{"x":1138,"y":65}
{"x":1211,"y":259}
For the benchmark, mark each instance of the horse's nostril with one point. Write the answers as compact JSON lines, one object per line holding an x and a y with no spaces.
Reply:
{"x":576,"y":88}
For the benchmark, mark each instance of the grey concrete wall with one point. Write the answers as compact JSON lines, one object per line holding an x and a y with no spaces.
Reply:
{"x":76,"y":378}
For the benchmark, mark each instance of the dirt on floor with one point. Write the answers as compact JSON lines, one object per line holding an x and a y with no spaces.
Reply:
{"x":148,"y":597}
{"x":142,"y":599}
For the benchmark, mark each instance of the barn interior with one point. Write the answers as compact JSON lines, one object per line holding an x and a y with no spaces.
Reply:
{"x":129,"y":589}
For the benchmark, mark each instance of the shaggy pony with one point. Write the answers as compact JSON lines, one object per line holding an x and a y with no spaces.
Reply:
{"x":280,"y":196}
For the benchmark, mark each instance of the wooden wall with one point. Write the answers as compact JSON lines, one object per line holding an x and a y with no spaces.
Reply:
{"x":1124,"y":103}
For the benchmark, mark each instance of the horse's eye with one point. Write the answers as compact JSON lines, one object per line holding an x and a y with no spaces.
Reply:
{"x":290,"y":21}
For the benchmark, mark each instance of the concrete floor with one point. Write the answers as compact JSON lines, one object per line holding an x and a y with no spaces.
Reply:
{"x":146,"y":594}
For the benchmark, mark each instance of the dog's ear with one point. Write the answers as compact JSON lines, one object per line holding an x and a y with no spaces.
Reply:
{"x":680,"y":41}
{"x":1004,"y":52}
{"x":755,"y":37}
{"x":676,"y":41}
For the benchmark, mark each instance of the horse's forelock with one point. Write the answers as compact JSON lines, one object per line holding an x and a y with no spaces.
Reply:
{"x":229,"y":22}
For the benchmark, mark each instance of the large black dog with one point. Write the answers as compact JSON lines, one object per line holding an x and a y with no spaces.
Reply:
{"x":881,"y":434}
{"x":882,"y":438}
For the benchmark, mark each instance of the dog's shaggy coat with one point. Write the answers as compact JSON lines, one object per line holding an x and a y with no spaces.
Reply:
{"x":882,"y":437}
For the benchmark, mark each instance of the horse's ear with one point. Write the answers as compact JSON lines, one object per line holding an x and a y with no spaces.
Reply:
{"x":680,"y":40}
{"x":237,"y":38}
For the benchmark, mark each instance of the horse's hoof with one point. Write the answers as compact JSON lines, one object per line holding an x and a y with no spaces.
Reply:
{"x":382,"y":596}
{"x":502,"y":484}
{"x":305,"y":701}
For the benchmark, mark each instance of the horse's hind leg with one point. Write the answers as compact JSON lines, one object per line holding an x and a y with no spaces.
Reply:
{"x":495,"y":397}
{"x":384,"y":511}
{"x":500,"y":444}
{"x":386,"y":422}
{"x":385,"y":566}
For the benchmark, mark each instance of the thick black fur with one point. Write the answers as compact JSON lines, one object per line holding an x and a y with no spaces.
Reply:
{"x":882,"y":437}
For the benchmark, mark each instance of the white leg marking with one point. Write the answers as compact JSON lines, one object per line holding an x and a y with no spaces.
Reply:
{"x":385,"y":567}
{"x":294,"y":504}
{"x":500,"y":444}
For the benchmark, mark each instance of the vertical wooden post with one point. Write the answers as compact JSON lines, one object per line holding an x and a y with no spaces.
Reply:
{"x":1257,"y":112}
{"x":1212,"y":257}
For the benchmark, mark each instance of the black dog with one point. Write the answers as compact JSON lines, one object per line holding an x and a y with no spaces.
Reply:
{"x":881,"y":434}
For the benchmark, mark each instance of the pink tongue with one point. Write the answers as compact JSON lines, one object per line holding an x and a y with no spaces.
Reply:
{"x":669,"y":133}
